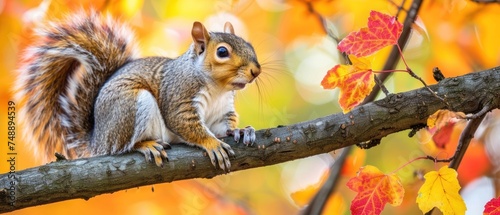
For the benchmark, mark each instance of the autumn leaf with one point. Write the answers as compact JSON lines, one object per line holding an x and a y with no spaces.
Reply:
{"x":355,"y":81}
{"x":492,"y":207}
{"x":442,"y":117}
{"x":442,"y":136}
{"x":382,"y":30}
{"x":441,"y":123}
{"x":440,"y":190}
{"x":375,"y":189}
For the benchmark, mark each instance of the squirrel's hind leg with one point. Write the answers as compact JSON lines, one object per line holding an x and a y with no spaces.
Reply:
{"x":150,"y":133}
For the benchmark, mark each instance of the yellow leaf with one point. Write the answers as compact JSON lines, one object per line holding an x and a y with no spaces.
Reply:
{"x":440,"y":190}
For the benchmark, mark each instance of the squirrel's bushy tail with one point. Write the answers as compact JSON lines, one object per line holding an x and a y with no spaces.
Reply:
{"x":60,"y":76}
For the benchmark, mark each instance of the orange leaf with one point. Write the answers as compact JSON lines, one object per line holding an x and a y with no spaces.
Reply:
{"x":355,"y":82}
{"x":375,"y":189}
{"x":492,"y":207}
{"x":440,"y":190}
{"x":382,"y":30}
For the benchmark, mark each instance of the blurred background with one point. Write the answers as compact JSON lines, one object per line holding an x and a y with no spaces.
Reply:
{"x":457,"y":36}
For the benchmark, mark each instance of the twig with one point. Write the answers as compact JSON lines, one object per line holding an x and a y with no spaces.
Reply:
{"x":440,"y":160}
{"x":412,"y":74}
{"x":465,"y":138}
{"x":319,"y":201}
{"x":381,"y":85}
{"x":425,"y":85}
{"x":482,"y":112}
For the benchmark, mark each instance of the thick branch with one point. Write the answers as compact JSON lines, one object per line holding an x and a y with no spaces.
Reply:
{"x":85,"y":178}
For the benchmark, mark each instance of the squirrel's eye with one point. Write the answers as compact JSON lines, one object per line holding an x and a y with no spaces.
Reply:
{"x":222,"y":52}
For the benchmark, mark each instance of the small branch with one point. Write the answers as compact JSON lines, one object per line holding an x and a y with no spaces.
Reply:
{"x":440,"y":160}
{"x":427,"y":87}
{"x":318,"y":203}
{"x":464,"y":141}
{"x":399,"y":6}
{"x":482,"y":112}
{"x":381,"y":85}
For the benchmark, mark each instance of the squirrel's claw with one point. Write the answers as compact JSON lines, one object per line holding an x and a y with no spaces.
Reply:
{"x":220,"y":154}
{"x":236,"y":134}
{"x":248,"y":134}
{"x":153,"y":149}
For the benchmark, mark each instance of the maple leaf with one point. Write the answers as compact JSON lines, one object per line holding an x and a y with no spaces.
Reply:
{"x":375,"y":189}
{"x":492,"y":207}
{"x":440,"y":190}
{"x":355,"y":81}
{"x":382,"y":30}
{"x":442,"y":123}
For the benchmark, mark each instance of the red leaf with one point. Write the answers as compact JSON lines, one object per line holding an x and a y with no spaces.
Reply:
{"x":443,"y":135}
{"x":375,"y":189}
{"x":382,"y":30}
{"x":492,"y":207}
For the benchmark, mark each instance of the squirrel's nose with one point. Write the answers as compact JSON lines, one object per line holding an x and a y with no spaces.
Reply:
{"x":255,"y":70}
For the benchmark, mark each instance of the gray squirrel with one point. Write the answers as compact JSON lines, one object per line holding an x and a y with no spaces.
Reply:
{"x":83,"y":91}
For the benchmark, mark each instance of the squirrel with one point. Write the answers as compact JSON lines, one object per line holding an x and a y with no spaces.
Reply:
{"x":83,"y":91}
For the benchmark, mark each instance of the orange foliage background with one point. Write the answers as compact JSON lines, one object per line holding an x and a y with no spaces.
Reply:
{"x":455,"y":35}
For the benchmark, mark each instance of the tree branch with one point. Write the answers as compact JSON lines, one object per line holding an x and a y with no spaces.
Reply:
{"x":86,"y":178}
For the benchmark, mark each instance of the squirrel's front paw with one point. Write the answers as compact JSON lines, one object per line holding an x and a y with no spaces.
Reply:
{"x":156,"y":149}
{"x":218,"y":151}
{"x":248,"y":134}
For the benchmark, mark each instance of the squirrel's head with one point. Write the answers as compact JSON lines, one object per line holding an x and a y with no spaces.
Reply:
{"x":231,"y":60}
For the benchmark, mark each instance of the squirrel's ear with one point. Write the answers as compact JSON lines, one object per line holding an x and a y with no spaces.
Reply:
{"x":228,"y":28}
{"x":200,"y":37}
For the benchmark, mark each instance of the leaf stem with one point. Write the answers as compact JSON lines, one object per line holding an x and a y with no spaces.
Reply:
{"x":409,"y":162}
{"x":389,"y":71}
{"x":402,"y":57}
